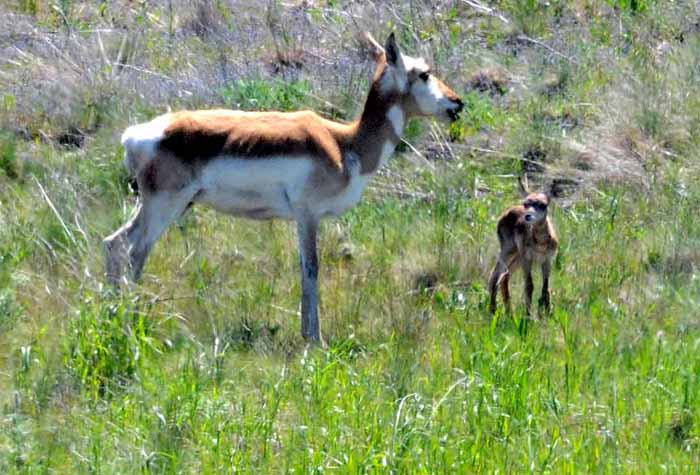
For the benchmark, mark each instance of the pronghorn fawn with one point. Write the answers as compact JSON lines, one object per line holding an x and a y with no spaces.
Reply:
{"x":526,"y":236}
{"x":271,"y":165}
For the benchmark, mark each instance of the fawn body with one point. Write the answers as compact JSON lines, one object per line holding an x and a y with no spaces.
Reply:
{"x":527,"y":237}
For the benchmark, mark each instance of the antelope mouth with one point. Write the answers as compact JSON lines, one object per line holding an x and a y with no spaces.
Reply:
{"x":453,"y":113}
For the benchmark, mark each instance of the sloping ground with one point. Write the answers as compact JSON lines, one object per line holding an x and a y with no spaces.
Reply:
{"x":201,"y":370}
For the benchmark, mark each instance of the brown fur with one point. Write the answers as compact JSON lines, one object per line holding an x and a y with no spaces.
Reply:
{"x":372,"y":130}
{"x":522,"y":244}
{"x":196,"y":136}
{"x":448,"y":92}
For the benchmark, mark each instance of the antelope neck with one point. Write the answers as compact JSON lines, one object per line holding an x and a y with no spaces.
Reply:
{"x":378,"y":130}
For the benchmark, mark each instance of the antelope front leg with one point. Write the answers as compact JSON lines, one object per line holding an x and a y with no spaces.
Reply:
{"x":494,"y":281}
{"x":529,"y":286}
{"x":505,"y":290}
{"x":307,"y":229}
{"x":544,"y":298}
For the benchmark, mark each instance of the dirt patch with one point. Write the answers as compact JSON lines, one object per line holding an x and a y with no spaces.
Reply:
{"x":426,"y":282}
{"x":533,"y":160}
{"x":72,"y":138}
{"x":493,"y":81}
{"x":563,"y":186}
{"x":284,"y":61}
{"x":583,"y":161}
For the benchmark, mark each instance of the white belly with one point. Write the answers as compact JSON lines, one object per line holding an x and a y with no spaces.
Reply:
{"x":274,"y":188}
{"x":255,"y":188}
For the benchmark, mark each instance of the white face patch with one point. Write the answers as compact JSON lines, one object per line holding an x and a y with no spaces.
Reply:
{"x":397,"y":119}
{"x":534,"y":216}
{"x":428,"y":96}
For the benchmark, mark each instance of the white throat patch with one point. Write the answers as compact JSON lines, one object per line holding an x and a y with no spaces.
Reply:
{"x":387,"y":151}
{"x":397,"y":118}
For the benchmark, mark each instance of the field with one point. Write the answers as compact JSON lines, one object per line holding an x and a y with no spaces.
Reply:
{"x":200,"y":368}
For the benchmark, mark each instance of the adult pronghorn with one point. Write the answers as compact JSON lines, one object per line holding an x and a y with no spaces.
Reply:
{"x":263,"y":165}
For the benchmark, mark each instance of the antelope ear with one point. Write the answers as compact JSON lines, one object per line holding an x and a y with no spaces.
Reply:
{"x":374,"y":48}
{"x":392,"y":50}
{"x":523,"y":187}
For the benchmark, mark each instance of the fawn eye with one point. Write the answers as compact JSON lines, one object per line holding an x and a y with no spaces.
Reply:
{"x":424,"y":76}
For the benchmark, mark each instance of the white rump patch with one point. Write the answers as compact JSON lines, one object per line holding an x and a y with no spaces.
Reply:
{"x":397,"y":119}
{"x":141,"y":141}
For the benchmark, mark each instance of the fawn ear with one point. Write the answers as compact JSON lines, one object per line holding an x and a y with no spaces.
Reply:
{"x":523,"y":187}
{"x":551,"y":192}
{"x":548,"y":193}
{"x":372,"y":46}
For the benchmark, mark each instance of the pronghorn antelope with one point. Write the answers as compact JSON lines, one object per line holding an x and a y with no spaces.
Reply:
{"x":526,"y":235}
{"x":263,"y":165}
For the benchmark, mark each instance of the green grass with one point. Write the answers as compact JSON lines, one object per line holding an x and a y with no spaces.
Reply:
{"x":208,"y":375}
{"x":262,"y":95}
{"x":201,"y":369}
{"x":8,"y":156}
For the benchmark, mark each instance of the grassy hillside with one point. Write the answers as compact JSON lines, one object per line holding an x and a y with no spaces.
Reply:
{"x":201,"y":369}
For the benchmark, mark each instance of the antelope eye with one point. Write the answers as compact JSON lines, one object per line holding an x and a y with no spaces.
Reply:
{"x":424,"y":76}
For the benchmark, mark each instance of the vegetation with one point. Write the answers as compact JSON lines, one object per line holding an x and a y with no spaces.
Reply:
{"x":201,"y":369}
